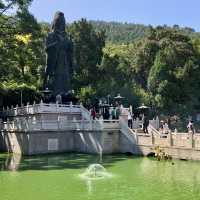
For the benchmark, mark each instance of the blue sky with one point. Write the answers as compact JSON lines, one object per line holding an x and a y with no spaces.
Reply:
{"x":154,"y":12}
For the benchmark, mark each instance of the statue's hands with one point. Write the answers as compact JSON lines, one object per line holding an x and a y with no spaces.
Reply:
{"x":50,"y":45}
{"x":61,"y":38}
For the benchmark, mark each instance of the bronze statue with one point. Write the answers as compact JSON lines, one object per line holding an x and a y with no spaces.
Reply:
{"x":59,"y":69}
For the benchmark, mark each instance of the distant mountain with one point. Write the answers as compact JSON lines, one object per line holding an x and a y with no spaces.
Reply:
{"x":118,"y":33}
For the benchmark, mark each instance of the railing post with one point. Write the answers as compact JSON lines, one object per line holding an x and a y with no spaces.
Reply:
{"x":27,"y":124}
{"x":191,"y":136}
{"x":41,"y":125}
{"x":7,"y":110}
{"x":81,"y":125}
{"x":170,"y":138}
{"x":90,"y":127}
{"x":34,"y":107}
{"x":58,"y":122}
{"x":71,"y":107}
{"x":27,"y":108}
{"x":157,"y":122}
{"x":41,"y":102}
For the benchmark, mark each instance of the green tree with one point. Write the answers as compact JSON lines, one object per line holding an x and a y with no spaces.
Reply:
{"x":88,"y":46}
{"x":21,"y":48}
{"x":173,"y":78}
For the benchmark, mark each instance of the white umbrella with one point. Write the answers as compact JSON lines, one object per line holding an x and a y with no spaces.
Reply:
{"x":118,"y":97}
{"x":143,"y":107}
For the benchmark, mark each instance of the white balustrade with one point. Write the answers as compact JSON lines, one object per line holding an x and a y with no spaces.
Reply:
{"x":36,"y":125}
{"x":46,"y":108}
{"x":129,"y":133}
{"x":25,"y":118}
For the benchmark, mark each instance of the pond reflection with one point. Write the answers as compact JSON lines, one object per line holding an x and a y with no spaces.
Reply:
{"x":14,"y":162}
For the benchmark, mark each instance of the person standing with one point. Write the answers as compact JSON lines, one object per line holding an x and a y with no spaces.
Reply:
{"x":118,"y":112}
{"x":113,"y":114}
{"x":190,"y":127}
{"x":130,"y":122}
{"x":165,"y":128}
{"x":106,"y":114}
{"x":145,"y":123}
{"x":93,"y":113}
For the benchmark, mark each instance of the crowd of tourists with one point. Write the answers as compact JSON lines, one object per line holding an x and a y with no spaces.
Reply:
{"x":113,"y":113}
{"x":106,"y":113}
{"x":165,"y":129}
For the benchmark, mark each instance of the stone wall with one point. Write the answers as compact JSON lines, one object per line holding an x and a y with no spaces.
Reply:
{"x":15,"y":142}
{"x":43,"y":142}
{"x":127,"y":146}
{"x":182,"y":146}
{"x":179,"y":146}
{"x":2,"y":143}
{"x":50,"y":142}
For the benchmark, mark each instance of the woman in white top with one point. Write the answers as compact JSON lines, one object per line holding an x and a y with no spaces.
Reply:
{"x":165,"y":128}
{"x":190,"y":127}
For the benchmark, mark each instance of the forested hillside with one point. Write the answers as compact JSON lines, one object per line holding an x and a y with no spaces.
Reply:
{"x":119,"y":33}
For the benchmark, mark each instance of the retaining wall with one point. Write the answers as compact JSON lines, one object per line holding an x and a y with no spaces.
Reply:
{"x":43,"y":142}
{"x":181,"y":146}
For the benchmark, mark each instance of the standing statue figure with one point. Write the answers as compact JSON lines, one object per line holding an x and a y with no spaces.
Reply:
{"x":59,"y":69}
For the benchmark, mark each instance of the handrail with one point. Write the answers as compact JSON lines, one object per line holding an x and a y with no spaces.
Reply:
{"x":129,"y":133}
{"x":37,"y":108}
{"x":110,"y":121}
{"x":153,"y":130}
{"x":52,"y":125}
{"x":86,"y":113}
{"x":62,"y":124}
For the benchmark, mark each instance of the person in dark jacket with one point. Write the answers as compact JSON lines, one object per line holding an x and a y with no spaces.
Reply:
{"x":145,"y":123}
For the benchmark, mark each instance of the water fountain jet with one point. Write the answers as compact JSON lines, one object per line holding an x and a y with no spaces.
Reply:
{"x":95,"y":171}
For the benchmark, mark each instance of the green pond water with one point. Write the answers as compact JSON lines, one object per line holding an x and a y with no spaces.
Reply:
{"x":57,"y":177}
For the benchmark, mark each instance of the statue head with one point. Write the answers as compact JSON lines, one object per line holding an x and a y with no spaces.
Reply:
{"x":58,"y":23}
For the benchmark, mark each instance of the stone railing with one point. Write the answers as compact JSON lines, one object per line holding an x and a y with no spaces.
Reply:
{"x":43,"y":108}
{"x":85,"y":113}
{"x":129,"y":133}
{"x":57,"y":125}
{"x":110,"y":124}
{"x":139,"y":123}
{"x":170,"y":140}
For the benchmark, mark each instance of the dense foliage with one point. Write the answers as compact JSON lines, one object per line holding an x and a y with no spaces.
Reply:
{"x":156,"y":66}
{"x":125,"y":33}
{"x":161,"y":69}
{"x":21,"y":51}
{"x":88,"y":52}
{"x":120,"y":32}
